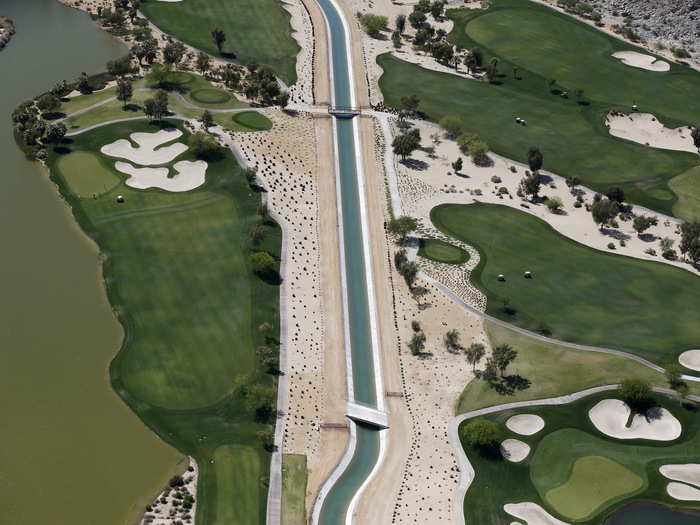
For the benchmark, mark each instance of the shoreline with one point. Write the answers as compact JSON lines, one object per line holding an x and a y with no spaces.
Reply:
{"x":7,"y":30}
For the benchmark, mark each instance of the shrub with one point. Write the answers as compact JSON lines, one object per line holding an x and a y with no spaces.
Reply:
{"x":611,"y":245}
{"x":670,"y":254}
{"x":496,"y":179}
{"x":513,"y":169}
{"x":554,"y":204}
{"x":204,"y":146}
{"x":373,"y":24}
{"x":464,"y":140}
{"x":481,"y":433}
{"x":263,"y":264}
{"x":452,"y":126}
{"x":478,"y":150}
{"x":679,"y":52}
{"x":650,"y":251}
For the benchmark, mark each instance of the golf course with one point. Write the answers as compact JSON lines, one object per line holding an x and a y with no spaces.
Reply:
{"x":178,"y":274}
{"x":572,"y":470}
{"x":576,"y":293}
{"x":560,"y":76}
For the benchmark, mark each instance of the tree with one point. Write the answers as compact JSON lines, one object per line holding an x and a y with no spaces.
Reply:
{"x":481,"y":433}
{"x":410,"y":103}
{"x":402,"y":226}
{"x":230,"y":76}
{"x":572,"y":182}
{"x":146,"y":50}
{"x":695,"y":133}
{"x":452,"y":126}
{"x":442,"y":52}
{"x":161,"y":104}
{"x":120,"y":66}
{"x":203,"y":62}
{"x":457,"y":165}
{"x":530,"y":185}
{"x":417,"y":343}
{"x":124,"y":91}
{"x":503,"y":355}
{"x":149,"y":108}
{"x":400,"y":23}
{"x":173,"y":52}
{"x":635,"y":392}
{"x":554,"y":204}
{"x":396,"y":39}
{"x":158,"y":75}
{"x":478,"y":150}
{"x":617,"y":194}
{"x":437,"y":8}
{"x":690,"y":241}
{"x":451,"y":340}
{"x":492,"y":70}
{"x":373,"y":24}
{"x":263,"y":263}
{"x":405,"y":144}
{"x":48,"y":102}
{"x":535,"y":159}
{"x":604,"y":211}
{"x":55,"y":133}
{"x":267,"y":438}
{"x":409,"y":272}
{"x":219,"y":38}
{"x":204,"y":146}
{"x":207,"y":119}
{"x":474,"y":59}
{"x":674,"y":375}
{"x":417,"y":19}
{"x":83,"y":84}
{"x":474,"y":354}
{"x":642,"y":223}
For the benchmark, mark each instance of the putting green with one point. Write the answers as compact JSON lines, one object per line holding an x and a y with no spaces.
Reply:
{"x":442,"y":251}
{"x":252,"y":120}
{"x":210,"y":96}
{"x":594,"y":481}
{"x":577,"y":293}
{"x":85,"y":174}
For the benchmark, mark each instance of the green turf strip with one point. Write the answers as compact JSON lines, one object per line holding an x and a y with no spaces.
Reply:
{"x":442,"y":251}
{"x":577,"y":293}
{"x":177,"y":274}
{"x":256,"y":30}
{"x":294,"y":480}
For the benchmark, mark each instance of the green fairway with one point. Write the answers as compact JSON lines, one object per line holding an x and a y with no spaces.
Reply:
{"x":548,"y":368}
{"x":198,"y":91}
{"x":442,"y":251}
{"x":573,"y":472}
{"x":577,"y":293}
{"x":294,"y":479}
{"x":594,"y":481}
{"x":256,"y":30}
{"x":685,"y":186}
{"x":251,"y":120}
{"x":178,"y":276}
{"x":545,"y":45}
{"x":86,"y":174}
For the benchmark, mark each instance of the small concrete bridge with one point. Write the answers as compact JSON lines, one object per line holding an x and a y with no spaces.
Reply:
{"x":368,"y":414}
{"x":344,"y":111}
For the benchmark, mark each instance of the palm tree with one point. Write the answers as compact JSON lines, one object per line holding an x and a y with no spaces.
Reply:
{"x":474,"y":354}
{"x":451,"y":340}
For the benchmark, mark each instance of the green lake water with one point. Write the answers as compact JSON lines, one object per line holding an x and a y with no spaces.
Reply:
{"x":71,"y":453}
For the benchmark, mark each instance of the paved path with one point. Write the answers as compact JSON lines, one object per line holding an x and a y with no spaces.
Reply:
{"x":465,"y":467}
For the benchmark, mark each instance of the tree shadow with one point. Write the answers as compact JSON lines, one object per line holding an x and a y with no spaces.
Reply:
{"x":62,"y":150}
{"x":53,"y":115}
{"x":131,"y":107}
{"x":647,"y":237}
{"x":229,"y":55}
{"x":508,"y":385}
{"x":615,"y":234}
{"x":415,"y":164}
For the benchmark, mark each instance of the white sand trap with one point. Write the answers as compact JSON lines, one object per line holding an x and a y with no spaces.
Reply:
{"x":643,"y":128}
{"x":642,"y":61}
{"x":146,"y":153}
{"x":532,"y":514}
{"x":610,"y":415}
{"x":189,"y":176}
{"x":525,"y":424}
{"x":514,"y":450}
{"x":687,"y":473}
{"x":690,"y":359}
{"x":683,"y":492}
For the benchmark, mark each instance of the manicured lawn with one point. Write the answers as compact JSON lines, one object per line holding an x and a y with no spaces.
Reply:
{"x":178,"y":275}
{"x":594,"y":481}
{"x":256,"y":30}
{"x":577,"y":293}
{"x":685,"y":186}
{"x":549,"y":368}
{"x":442,"y":251}
{"x":294,"y":478}
{"x":200,"y":92}
{"x":567,"y":438}
{"x":250,"y":120}
{"x":544,"y":45}
{"x":86,"y":174}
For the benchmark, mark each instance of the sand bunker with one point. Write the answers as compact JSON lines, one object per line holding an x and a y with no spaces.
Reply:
{"x":640,"y":60}
{"x":690,"y":359}
{"x":525,"y":424}
{"x":683,"y":492}
{"x":189,"y":176}
{"x":514,"y":450}
{"x":687,"y":473}
{"x":532,"y":514}
{"x":643,"y":128}
{"x":146,"y":153}
{"x":610,"y":416}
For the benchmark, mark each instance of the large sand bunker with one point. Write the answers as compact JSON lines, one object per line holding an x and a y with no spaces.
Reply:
{"x":690,"y":359}
{"x":532,"y":514}
{"x":644,"y":128}
{"x":514,"y":450}
{"x":687,"y":473}
{"x":642,"y":61}
{"x":189,"y":176}
{"x":610,"y":417}
{"x":525,"y":424}
{"x":683,"y":492}
{"x":146,"y":153}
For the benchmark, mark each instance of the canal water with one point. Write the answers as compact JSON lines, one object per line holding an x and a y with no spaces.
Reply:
{"x":70,"y":451}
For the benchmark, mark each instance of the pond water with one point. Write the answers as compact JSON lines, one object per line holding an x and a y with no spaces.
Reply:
{"x":647,"y":513}
{"x":70,"y":451}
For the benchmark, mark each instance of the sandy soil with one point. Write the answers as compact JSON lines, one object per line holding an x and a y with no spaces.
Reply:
{"x":645,"y":129}
{"x":690,"y":359}
{"x":303,"y":32}
{"x":525,"y":424}
{"x":514,"y":450}
{"x":147,"y":152}
{"x":642,"y":61}
{"x":532,"y":514}
{"x":189,"y":175}
{"x":683,"y":492}
{"x":610,"y":417}
{"x":687,"y":473}
{"x":163,"y":512}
